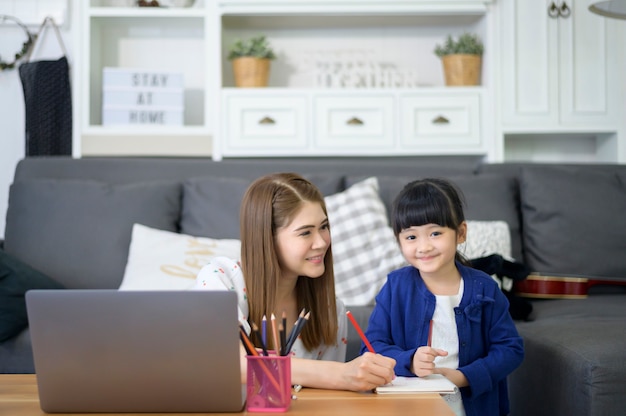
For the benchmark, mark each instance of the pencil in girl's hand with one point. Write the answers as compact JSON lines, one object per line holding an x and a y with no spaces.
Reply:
{"x":360,"y":332}
{"x":430,"y":333}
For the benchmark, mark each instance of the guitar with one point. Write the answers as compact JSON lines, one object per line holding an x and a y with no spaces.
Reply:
{"x":537,"y":285}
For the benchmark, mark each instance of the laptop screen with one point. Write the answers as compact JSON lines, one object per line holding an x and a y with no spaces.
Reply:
{"x":136,"y":351}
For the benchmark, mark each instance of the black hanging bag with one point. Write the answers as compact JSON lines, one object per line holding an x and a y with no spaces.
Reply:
{"x":48,"y":102}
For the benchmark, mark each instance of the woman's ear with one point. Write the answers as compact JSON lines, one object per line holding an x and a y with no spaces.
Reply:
{"x":461,"y":233}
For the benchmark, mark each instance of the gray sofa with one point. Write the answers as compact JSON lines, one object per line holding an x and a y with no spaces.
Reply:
{"x":71,"y":220}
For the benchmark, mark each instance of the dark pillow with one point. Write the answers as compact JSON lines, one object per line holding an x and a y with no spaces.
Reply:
{"x":573,"y":220}
{"x":211,"y":204}
{"x":79,"y":232}
{"x":15,"y":279}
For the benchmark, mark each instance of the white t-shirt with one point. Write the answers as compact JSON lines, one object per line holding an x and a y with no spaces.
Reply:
{"x":445,"y":337}
{"x":222,"y":273}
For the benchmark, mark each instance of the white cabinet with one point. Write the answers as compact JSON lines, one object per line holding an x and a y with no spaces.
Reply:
{"x":436,"y":120}
{"x":177,"y":40}
{"x":303,"y":117}
{"x":310,"y":122}
{"x":559,"y":69}
{"x":273,"y":123}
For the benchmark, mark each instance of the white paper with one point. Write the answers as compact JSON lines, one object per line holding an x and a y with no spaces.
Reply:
{"x":435,"y":383}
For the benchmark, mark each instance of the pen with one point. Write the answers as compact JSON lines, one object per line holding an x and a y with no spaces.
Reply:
{"x":360,"y":332}
{"x":430,"y":333}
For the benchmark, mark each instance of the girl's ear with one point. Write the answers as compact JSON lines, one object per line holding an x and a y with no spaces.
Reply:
{"x":461,"y":233}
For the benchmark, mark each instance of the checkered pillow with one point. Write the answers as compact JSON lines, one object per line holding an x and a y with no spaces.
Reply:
{"x":485,"y":238}
{"x":364,"y":247}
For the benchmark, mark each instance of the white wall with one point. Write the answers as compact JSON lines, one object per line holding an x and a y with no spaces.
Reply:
{"x":12,"y":98}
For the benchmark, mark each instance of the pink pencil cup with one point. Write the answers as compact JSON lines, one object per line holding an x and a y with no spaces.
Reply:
{"x":269,"y":383}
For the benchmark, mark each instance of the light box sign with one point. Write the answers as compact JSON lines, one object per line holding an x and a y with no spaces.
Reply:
{"x":143,"y":97}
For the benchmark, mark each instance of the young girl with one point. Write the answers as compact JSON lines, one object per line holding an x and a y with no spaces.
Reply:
{"x":286,"y":265}
{"x":438,"y":316}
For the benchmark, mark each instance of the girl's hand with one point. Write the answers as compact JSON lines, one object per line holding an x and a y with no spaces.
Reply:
{"x":424,"y":361}
{"x":368,"y":371}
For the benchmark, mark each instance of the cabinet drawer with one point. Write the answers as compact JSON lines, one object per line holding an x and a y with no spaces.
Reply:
{"x":440,"y":121}
{"x":355,"y":122}
{"x":265,"y":123}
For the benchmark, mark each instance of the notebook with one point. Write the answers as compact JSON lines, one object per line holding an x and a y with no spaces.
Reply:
{"x":434,"y":383}
{"x":136,"y":351}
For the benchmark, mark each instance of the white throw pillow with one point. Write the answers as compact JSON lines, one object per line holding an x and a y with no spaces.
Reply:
{"x":164,"y":260}
{"x":485,"y":238}
{"x":364,"y":247}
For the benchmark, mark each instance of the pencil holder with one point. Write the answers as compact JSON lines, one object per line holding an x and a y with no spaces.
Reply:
{"x":269,"y":383}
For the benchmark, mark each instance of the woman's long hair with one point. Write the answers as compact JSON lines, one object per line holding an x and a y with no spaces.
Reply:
{"x":271,"y":202}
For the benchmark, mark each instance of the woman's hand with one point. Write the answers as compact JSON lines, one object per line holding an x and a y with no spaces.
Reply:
{"x":367,"y":372}
{"x":424,"y":361}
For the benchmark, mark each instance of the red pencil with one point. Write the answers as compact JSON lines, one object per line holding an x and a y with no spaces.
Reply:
{"x":430,"y":333}
{"x":360,"y":332}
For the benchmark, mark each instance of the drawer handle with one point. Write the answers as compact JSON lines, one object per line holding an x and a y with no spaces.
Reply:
{"x":355,"y":121}
{"x":441,"y":120}
{"x":267,"y":120}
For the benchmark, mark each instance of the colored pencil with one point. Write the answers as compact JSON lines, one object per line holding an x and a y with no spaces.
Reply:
{"x":360,"y":332}
{"x":430,"y":333}
{"x":257,"y":332}
{"x":295,"y":325}
{"x":264,"y":329}
{"x":249,"y":347}
{"x":296,"y":331}
{"x":275,"y":334}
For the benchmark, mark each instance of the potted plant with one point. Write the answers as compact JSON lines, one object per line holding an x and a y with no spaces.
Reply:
{"x":251,"y":61}
{"x":462,"y":59}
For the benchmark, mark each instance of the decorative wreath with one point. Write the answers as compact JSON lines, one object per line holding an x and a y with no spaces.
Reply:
{"x":25,"y":47}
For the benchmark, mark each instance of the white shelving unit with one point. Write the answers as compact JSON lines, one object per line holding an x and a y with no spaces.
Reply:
{"x":167,"y":39}
{"x":309,"y":119}
{"x":550,"y":87}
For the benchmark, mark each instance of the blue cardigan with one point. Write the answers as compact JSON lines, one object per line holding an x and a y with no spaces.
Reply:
{"x":489,"y":346}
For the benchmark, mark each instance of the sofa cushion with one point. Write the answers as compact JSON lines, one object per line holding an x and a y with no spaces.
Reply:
{"x":488,"y":197}
{"x":163,"y":260}
{"x":578,"y":211}
{"x":485,"y":238}
{"x":364,"y":247}
{"x":15,"y":279}
{"x":78,"y":232}
{"x":211,"y":204}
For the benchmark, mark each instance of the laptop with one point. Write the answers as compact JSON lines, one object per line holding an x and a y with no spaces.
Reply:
{"x":105,"y":351}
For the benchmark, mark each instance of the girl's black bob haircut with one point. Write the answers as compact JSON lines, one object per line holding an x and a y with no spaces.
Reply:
{"x":428,"y":201}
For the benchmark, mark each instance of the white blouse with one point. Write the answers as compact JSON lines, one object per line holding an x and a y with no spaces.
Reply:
{"x":222,"y":273}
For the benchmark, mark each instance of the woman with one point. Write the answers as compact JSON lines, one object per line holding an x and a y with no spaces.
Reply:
{"x":286,"y":266}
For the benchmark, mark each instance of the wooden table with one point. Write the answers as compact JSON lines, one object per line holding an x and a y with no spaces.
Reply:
{"x":19,"y":397}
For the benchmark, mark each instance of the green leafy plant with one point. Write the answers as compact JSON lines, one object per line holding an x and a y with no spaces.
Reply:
{"x":257,"y":47}
{"x":467,"y":43}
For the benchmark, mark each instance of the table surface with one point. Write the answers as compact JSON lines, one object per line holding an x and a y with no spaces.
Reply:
{"x":19,"y":397}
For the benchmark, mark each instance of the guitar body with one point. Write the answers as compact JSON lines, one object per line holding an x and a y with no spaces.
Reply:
{"x":558,"y":287}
